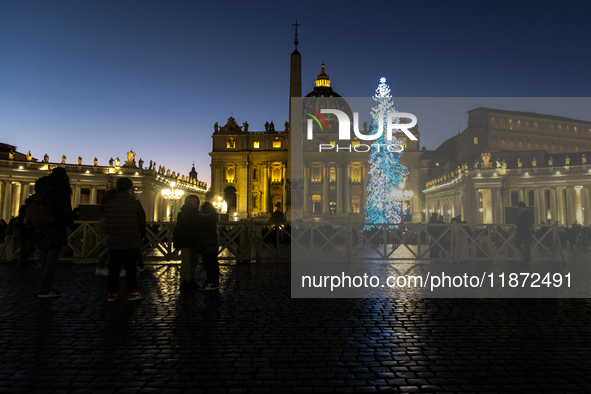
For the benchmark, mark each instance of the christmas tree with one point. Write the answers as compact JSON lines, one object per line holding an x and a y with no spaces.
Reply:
{"x":387,"y":176}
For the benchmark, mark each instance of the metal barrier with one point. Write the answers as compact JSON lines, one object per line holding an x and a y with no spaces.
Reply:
{"x":248,"y":241}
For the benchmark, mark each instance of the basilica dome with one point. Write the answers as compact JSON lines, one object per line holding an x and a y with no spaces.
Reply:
{"x":323,"y":97}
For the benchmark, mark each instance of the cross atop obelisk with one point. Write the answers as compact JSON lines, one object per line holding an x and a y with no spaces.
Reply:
{"x":296,"y":33}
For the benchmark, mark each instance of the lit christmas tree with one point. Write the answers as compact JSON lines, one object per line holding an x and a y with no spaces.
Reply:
{"x":386,"y":175}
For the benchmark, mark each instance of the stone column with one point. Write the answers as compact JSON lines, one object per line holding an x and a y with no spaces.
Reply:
{"x":585,"y":205}
{"x":2,"y":189}
{"x":475,"y":207}
{"x":7,"y":197}
{"x":364,"y":179}
{"x":242,"y":206}
{"x":325,"y":189}
{"x":560,"y":215}
{"x":306,"y":189}
{"x":265,"y":173}
{"x":16,"y":197}
{"x":521,"y":194}
{"x":553,"y":204}
{"x":346,"y":190}
{"x":570,"y":208}
{"x":578,"y":205}
{"x":25,"y":192}
{"x":340,"y":184}
{"x":537,"y":205}
{"x":75,"y":195}
{"x":93,"y":194}
{"x":283,"y":188}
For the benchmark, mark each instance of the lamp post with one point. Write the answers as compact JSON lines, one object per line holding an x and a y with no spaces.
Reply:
{"x":172,"y":194}
{"x":221,"y":206}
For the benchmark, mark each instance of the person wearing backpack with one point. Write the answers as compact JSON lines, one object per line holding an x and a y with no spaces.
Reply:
{"x":126,"y":228}
{"x":49,"y":210}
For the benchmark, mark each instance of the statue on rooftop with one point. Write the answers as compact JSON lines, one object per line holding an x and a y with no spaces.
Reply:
{"x":245,"y":124}
{"x":140,"y":164}
{"x":29,"y":156}
{"x":95,"y":161}
{"x":117,"y":162}
{"x":46,"y":158}
{"x":79,"y":160}
{"x":111,"y":162}
{"x":63,"y":159}
{"x":130,"y":159}
{"x":286,"y":125}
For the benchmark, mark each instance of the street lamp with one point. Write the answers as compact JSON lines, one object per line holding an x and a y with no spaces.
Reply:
{"x":172,"y":194}
{"x":221,"y":205}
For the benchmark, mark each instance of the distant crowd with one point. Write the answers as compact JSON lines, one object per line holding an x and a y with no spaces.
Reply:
{"x":46,"y":219}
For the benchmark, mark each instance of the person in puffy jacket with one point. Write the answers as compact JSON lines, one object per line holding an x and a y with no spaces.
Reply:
{"x":186,"y":235}
{"x":126,"y":228}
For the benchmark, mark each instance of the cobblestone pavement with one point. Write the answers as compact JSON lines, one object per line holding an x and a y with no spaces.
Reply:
{"x":251,"y":337}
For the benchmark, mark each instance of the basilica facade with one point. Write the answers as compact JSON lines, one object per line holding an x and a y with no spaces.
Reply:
{"x":251,"y":170}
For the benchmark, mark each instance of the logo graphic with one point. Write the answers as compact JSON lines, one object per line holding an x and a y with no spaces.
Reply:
{"x":315,"y":115}
{"x":345,"y":129}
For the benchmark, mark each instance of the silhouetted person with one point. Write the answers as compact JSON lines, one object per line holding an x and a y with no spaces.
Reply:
{"x":126,"y":223}
{"x":208,"y":244}
{"x":523,"y":223}
{"x":54,"y":236}
{"x":3,"y":227}
{"x":186,"y":238}
{"x":26,"y":237}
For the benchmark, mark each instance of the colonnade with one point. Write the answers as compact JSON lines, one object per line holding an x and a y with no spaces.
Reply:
{"x":566,"y":204}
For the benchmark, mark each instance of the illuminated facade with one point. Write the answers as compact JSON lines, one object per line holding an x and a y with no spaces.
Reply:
{"x":248,"y":169}
{"x":18,"y":173}
{"x":503,"y":157}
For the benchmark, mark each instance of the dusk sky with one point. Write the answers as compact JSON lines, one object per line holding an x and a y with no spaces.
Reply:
{"x":98,"y":78}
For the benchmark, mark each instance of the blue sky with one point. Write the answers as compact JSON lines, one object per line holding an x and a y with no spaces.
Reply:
{"x":98,"y":78}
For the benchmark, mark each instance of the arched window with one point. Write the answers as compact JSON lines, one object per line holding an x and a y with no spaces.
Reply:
{"x":355,"y":174}
{"x":276,"y":174}
{"x":230,"y":174}
{"x":316,"y":174}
